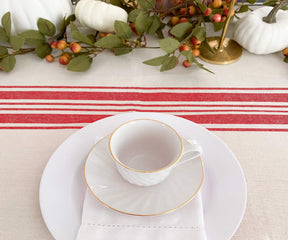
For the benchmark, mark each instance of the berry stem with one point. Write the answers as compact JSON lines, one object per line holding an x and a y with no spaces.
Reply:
{"x":19,"y":52}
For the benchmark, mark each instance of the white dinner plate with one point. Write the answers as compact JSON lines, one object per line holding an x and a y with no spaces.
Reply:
{"x":62,"y":188}
{"x":112,"y":190}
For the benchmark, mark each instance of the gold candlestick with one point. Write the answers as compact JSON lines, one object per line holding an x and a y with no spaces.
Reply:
{"x":226,"y":51}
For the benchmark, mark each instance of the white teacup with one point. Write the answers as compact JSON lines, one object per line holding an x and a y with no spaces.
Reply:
{"x":145,"y":151}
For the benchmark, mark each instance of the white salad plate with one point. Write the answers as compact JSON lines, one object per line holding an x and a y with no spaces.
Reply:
{"x":63,"y":187}
{"x":111,"y":189}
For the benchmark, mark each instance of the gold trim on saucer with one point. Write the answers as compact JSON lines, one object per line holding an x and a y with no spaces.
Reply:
{"x":134,"y":214}
{"x":135,"y":170}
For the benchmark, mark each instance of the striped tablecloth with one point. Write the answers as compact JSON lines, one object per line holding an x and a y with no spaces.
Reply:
{"x":217,"y":109}
{"x":245,"y":104}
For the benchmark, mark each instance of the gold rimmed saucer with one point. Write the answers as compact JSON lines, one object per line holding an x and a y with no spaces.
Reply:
{"x":108,"y":187}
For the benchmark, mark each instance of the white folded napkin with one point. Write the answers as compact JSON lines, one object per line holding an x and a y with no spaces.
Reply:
{"x":102,"y":223}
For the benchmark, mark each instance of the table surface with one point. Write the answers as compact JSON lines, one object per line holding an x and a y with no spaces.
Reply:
{"x":245,"y":104}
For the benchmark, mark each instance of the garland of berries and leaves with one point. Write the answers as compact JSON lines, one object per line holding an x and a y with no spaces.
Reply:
{"x":185,"y":24}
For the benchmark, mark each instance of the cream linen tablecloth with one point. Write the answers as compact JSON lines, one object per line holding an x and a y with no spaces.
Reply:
{"x":245,"y":104}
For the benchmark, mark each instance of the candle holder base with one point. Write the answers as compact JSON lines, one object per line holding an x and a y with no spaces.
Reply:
{"x":230,"y":52}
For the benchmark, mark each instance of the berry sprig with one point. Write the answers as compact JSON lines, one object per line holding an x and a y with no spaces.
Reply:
{"x":186,"y":30}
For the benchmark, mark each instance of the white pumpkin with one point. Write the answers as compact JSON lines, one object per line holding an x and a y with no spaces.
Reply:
{"x":99,"y":15}
{"x":25,"y":13}
{"x":260,"y":37}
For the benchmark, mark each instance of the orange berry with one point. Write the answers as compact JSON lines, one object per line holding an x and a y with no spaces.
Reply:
{"x":184,"y":48}
{"x":65,"y":59}
{"x":182,"y":20}
{"x":196,"y":52}
{"x":174,"y":20}
{"x":226,"y":11}
{"x":207,"y":12}
{"x":183,"y":11}
{"x":102,"y":34}
{"x":192,"y":10}
{"x":49,"y":58}
{"x":229,"y":1}
{"x":195,"y":42}
{"x":61,"y":44}
{"x":216,"y":3}
{"x":216,"y":18}
{"x":285,"y":52}
{"x":75,"y":47}
{"x":186,"y":63}
{"x":53,"y":44}
{"x":223,"y":18}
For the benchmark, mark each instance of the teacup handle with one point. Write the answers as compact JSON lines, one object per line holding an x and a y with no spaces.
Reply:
{"x":193,"y":151}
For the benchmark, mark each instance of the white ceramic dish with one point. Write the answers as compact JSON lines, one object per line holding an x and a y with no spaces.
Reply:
{"x":109,"y":187}
{"x":62,"y":188}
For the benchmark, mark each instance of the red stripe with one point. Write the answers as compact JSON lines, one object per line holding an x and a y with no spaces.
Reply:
{"x":143,"y":105}
{"x":250,"y":129}
{"x":43,"y":127}
{"x":49,"y":118}
{"x":128,"y":96}
{"x":211,"y":129}
{"x":202,"y":119}
{"x":144,"y":88}
{"x":139,"y":110}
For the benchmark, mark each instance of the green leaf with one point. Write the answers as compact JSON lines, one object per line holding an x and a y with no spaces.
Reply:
{"x":169,"y":45}
{"x":16,"y":42}
{"x":146,"y":4}
{"x":134,"y":14}
{"x":243,"y":8}
{"x":160,"y":33}
{"x":205,"y":44}
{"x":188,"y":55}
{"x":140,"y":22}
{"x":33,"y":37}
{"x":122,"y":29}
{"x":169,"y":63}
{"x":199,"y":33}
{"x":8,"y":63}
{"x":77,"y":35}
{"x":122,"y":51}
{"x":46,"y":27}
{"x":156,"y":61}
{"x":181,"y":29}
{"x":270,"y":2}
{"x":3,"y":35}
{"x":80,"y":64}
{"x":252,"y":1}
{"x":3,"y":51}
{"x":218,"y":26}
{"x":202,"y":7}
{"x":285,"y":59}
{"x":6,"y":23}
{"x":155,"y":25}
{"x":117,"y":3}
{"x":201,"y":66}
{"x":42,"y":50}
{"x":64,"y":24}
{"x":111,"y":41}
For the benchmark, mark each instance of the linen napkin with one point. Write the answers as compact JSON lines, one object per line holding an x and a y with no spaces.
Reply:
{"x":101,"y":223}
